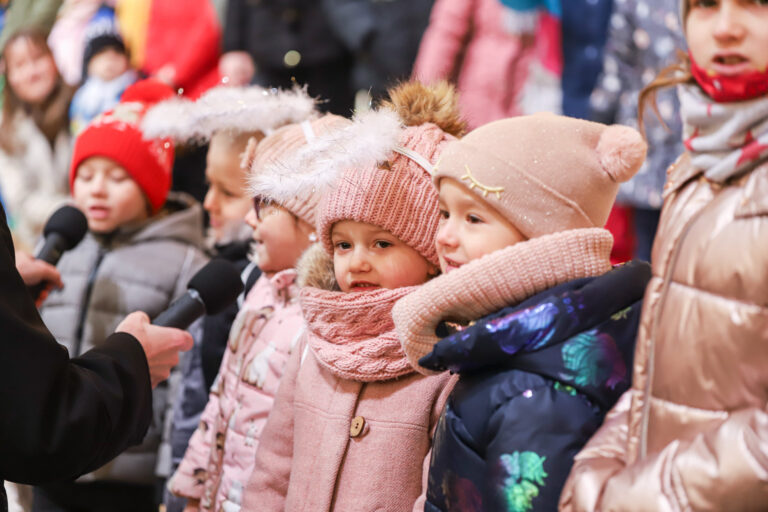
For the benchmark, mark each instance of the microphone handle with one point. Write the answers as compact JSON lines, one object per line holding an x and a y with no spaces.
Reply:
{"x":185,"y":310}
{"x":50,"y":252}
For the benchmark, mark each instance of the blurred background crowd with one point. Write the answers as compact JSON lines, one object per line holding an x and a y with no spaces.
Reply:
{"x":65,"y":61}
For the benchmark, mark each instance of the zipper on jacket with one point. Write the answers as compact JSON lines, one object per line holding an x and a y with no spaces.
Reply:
{"x":86,"y":301}
{"x":654,"y":326}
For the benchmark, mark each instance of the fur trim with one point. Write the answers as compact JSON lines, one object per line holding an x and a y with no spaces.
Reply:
{"x":236,"y":109}
{"x":417,"y":103}
{"x":315,"y":167}
{"x":315,"y":269}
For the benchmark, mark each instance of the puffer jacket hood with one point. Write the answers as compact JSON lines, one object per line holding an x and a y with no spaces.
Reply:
{"x":555,"y":334}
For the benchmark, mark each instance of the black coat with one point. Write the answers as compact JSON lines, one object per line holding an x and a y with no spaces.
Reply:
{"x":60,"y":418}
{"x":535,"y":382}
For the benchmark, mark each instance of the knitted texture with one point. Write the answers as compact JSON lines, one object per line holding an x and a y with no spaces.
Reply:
{"x":267,"y":161}
{"x":352,"y":334}
{"x":497,"y":280}
{"x":117,"y":135}
{"x":545,"y":173}
{"x":397,"y":196}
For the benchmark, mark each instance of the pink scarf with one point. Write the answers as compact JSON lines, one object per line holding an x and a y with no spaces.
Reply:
{"x":353,"y":335}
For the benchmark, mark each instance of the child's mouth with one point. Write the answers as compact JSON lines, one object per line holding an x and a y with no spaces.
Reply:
{"x":98,"y":212}
{"x":730,"y":64}
{"x":450,"y":264}
{"x":363,"y":286}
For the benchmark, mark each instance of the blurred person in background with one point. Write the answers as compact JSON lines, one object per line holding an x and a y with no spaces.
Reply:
{"x":35,"y":145}
{"x":106,"y":71}
{"x":289,"y":41}
{"x":644,"y":37}
{"x":383,"y":38}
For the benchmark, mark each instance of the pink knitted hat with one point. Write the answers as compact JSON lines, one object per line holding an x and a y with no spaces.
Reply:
{"x":397,"y":196}
{"x":271,"y":161}
{"x":545,"y":173}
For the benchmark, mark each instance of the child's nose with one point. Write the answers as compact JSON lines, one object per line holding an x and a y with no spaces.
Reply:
{"x":446,"y":235}
{"x":729,"y":24}
{"x":359,"y":261}
{"x":251,"y":219}
{"x":209,"y":201}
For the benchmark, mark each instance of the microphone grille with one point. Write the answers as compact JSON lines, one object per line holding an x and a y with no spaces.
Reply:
{"x":70,"y":223}
{"x":218,"y":284}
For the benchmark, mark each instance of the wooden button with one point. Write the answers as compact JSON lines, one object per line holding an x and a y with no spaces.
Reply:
{"x":357,"y":426}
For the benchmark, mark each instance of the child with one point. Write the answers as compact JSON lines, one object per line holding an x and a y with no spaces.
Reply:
{"x":220,"y":456}
{"x":35,"y":147}
{"x":691,"y":432}
{"x":526,"y":260}
{"x":142,"y":248}
{"x":352,"y":423}
{"x":106,"y":71}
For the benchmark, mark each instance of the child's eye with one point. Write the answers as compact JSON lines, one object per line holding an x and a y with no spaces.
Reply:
{"x":342,"y":246}
{"x":703,"y":4}
{"x":444,"y":214}
{"x":382,"y":244}
{"x":474,"y":219}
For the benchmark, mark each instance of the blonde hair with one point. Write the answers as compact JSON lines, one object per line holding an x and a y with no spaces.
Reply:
{"x":672,"y":75}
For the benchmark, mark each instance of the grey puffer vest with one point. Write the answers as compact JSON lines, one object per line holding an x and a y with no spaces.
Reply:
{"x":107,"y":277}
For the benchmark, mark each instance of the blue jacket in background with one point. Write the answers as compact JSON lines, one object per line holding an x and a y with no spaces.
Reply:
{"x":585,"y":31}
{"x":536,"y":381}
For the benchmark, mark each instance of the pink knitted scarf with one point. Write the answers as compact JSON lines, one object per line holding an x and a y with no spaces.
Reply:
{"x":353,"y":335}
{"x":503,"y":278}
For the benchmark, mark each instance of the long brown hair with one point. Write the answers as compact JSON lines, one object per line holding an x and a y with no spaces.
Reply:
{"x":672,"y":75}
{"x":51,"y":116}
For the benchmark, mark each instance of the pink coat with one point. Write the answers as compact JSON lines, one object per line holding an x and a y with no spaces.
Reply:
{"x":312,"y":457}
{"x":466,"y":43}
{"x":221,"y":453}
{"x":352,"y":424}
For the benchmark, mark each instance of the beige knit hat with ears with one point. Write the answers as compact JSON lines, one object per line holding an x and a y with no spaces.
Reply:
{"x":545,"y":173}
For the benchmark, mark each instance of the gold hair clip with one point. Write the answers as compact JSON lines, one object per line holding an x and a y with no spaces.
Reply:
{"x":474,"y":183}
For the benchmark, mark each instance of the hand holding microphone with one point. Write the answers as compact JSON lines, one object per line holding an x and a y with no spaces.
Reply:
{"x":63,"y":231}
{"x":213,"y":288}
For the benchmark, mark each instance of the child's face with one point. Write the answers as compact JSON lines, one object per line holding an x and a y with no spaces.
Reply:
{"x":226,"y":201}
{"x":469,"y":227}
{"x":366,"y":257}
{"x":728,"y":37}
{"x":31,"y":71}
{"x":108,"y":64}
{"x":280,"y":237}
{"x":107,"y":194}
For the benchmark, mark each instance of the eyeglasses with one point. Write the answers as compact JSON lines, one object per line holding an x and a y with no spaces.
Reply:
{"x":260,"y":205}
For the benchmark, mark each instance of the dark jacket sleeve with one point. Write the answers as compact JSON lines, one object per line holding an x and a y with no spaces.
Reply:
{"x":60,"y":418}
{"x":531,"y":442}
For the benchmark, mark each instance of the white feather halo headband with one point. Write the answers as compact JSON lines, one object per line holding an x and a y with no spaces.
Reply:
{"x":369,"y":140}
{"x":234,"y":109}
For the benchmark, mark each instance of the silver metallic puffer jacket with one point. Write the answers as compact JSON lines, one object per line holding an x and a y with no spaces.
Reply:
{"x":692,"y":432}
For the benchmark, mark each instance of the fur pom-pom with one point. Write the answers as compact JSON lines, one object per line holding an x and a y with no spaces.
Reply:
{"x":316,"y":166}
{"x":622,"y":151}
{"x":417,"y":103}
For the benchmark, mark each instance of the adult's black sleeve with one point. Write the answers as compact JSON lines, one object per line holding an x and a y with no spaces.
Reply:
{"x":60,"y":418}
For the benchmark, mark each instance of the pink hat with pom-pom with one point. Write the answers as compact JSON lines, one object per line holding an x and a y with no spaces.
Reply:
{"x":545,"y":173}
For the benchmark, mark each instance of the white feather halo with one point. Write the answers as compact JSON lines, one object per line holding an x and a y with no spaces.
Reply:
{"x":314,"y":168}
{"x":233,"y":109}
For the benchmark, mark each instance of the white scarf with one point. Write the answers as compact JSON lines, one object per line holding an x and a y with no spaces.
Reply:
{"x":724,"y":139}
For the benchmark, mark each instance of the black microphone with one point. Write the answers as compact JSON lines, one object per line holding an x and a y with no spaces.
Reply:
{"x":210,"y":291}
{"x":63,"y":231}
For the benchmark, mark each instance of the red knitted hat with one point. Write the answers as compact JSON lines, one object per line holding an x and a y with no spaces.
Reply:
{"x":116,"y":135}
